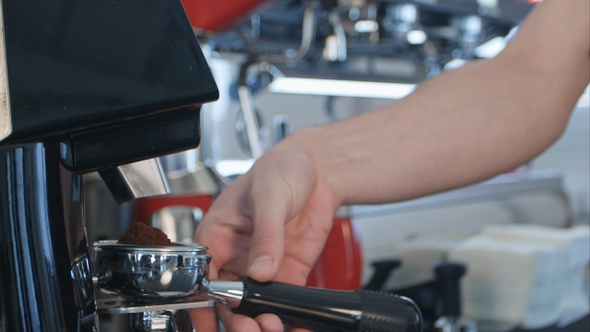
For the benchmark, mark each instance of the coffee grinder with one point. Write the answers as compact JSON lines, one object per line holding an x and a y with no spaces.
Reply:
{"x":84,"y":86}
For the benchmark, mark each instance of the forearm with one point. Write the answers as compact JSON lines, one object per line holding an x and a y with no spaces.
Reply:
{"x":453,"y":131}
{"x":465,"y":125}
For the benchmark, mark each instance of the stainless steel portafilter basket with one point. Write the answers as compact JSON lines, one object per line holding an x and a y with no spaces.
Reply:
{"x":143,"y":273}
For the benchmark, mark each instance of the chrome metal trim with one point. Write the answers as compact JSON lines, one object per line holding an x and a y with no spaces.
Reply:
{"x":226,"y":292}
{"x":145,"y":178}
{"x":5,"y":118}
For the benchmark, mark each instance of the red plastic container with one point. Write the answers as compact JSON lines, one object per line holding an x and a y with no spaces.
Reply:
{"x":144,"y":208}
{"x":217,"y":16}
{"x":340,"y":263}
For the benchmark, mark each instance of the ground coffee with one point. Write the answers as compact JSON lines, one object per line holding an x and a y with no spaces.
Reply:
{"x":142,"y":234}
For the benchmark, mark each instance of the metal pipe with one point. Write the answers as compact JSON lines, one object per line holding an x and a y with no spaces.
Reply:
{"x":307,"y":36}
{"x":250,"y":121}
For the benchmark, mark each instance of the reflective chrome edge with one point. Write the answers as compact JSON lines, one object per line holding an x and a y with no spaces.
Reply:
{"x":176,"y":247}
{"x":117,"y":306}
{"x":226,"y":292}
{"x":5,"y":120}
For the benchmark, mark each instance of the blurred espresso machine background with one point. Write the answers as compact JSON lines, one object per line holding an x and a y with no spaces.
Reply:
{"x":143,"y":111}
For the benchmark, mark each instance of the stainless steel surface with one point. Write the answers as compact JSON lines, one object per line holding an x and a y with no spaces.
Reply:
{"x":139,"y":179}
{"x":149,"y":272}
{"x":5,"y":121}
{"x":117,"y":306}
{"x":200,"y":180}
{"x":229,"y":293}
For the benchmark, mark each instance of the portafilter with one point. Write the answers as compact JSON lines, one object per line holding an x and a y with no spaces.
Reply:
{"x":144,"y":273}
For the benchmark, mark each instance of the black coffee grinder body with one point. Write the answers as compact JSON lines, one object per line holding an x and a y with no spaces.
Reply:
{"x":84,"y":86}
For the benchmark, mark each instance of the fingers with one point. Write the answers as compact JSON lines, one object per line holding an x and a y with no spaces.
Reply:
{"x":270,"y":323}
{"x":204,"y":319}
{"x":269,"y":212}
{"x":239,"y":323}
{"x":280,"y":188}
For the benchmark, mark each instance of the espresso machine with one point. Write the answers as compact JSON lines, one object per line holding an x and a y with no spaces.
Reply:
{"x":85,"y":86}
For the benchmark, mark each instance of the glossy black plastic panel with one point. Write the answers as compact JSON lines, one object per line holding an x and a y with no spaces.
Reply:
{"x":129,"y":141}
{"x":41,"y":232}
{"x":77,"y":64}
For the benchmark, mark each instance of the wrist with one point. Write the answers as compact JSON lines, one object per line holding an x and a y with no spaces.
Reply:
{"x":322,"y":152}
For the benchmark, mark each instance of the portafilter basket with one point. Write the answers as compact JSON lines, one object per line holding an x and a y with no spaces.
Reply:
{"x":142,"y":273}
{"x":146,"y":272}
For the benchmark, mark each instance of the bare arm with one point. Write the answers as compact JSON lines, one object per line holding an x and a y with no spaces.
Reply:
{"x":465,"y":125}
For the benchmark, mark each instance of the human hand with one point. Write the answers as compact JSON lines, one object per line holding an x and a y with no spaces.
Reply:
{"x":270,"y":224}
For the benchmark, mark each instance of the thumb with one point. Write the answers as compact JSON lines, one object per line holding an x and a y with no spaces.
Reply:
{"x":268,"y":236}
{"x":266,"y":251}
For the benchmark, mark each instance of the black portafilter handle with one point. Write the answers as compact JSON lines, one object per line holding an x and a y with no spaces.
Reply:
{"x":448,"y":276}
{"x":326,"y":310}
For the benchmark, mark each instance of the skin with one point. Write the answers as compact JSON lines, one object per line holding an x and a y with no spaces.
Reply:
{"x":464,"y":126}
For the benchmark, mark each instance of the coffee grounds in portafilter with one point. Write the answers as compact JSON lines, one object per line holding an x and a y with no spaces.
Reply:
{"x":142,"y":234}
